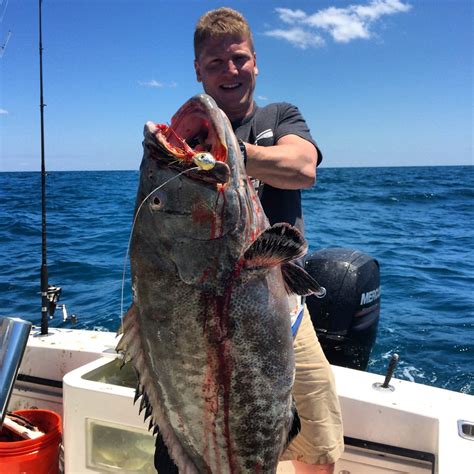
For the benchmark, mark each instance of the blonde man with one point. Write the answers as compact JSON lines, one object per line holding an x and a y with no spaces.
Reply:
{"x":281,"y":157}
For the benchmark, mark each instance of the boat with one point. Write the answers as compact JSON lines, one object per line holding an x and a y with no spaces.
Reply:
{"x":394,"y":427}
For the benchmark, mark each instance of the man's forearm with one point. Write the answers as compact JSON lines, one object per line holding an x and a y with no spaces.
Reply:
{"x":291,"y":164}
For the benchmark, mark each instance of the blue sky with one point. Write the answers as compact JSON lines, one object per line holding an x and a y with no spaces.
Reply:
{"x":380,"y":82}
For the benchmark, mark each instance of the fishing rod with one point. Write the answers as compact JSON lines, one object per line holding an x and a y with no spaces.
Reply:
{"x":49,"y":294}
{"x":45,"y":303}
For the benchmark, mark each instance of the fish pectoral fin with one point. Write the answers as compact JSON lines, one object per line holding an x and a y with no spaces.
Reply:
{"x":278,"y":244}
{"x":295,"y":426}
{"x":298,"y":280}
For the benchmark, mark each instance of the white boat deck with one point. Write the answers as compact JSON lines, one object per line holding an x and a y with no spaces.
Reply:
{"x":412,"y":428}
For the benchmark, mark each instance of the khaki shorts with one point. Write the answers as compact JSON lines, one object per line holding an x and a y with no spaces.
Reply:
{"x":321,"y":438}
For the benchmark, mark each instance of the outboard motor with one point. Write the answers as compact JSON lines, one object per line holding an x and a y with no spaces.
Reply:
{"x":346,"y":319}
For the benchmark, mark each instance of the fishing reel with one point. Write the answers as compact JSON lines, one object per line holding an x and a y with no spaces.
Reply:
{"x":53,"y":295}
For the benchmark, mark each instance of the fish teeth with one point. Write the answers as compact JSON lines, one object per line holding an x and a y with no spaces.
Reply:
{"x":151,"y":424}
{"x":143,"y":403}
{"x":148,"y":412}
{"x":138,"y":393}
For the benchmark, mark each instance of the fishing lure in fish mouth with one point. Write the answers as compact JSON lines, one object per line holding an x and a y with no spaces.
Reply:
{"x":204,"y":160}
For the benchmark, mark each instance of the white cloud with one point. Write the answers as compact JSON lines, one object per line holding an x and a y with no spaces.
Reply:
{"x":298,"y":37}
{"x":291,"y":16}
{"x":342,"y":24}
{"x":3,"y":112}
{"x":155,"y":84}
{"x":378,"y":8}
{"x":262,"y":97}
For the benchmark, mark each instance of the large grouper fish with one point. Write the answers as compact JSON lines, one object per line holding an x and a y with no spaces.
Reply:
{"x":209,"y":331}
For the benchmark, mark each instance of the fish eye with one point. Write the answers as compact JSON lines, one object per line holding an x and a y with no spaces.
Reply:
{"x":156,"y":204}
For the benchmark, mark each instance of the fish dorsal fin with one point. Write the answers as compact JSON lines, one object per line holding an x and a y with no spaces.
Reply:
{"x":278,"y":244}
{"x":298,"y":280}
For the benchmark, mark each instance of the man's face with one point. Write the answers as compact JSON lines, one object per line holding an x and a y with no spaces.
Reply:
{"x":227,"y":69}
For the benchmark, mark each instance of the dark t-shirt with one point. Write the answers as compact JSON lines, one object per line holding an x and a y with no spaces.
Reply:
{"x":265,"y":127}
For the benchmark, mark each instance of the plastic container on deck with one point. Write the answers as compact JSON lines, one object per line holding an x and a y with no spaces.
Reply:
{"x":34,"y":456}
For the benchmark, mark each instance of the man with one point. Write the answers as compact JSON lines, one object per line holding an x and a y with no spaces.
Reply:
{"x":281,"y":157}
{"x":280,"y":153}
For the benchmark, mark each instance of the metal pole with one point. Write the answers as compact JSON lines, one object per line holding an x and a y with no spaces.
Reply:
{"x":44,"y":267}
{"x":13,"y":339}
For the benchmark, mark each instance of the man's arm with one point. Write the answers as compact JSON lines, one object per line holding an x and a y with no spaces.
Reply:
{"x":290,"y":164}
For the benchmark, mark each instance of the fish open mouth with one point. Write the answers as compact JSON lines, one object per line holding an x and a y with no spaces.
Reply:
{"x":197,"y":130}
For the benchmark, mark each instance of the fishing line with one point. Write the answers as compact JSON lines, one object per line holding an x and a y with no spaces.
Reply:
{"x":133,"y":227}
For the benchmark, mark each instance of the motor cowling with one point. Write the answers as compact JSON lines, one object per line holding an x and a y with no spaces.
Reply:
{"x":346,"y":319}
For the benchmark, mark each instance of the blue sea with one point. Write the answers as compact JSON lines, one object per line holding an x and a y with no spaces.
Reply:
{"x":416,"y":221}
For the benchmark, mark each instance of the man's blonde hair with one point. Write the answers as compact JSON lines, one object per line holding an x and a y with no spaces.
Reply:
{"x":220,"y":22}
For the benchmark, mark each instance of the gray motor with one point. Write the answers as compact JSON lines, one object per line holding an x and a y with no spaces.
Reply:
{"x":346,"y":319}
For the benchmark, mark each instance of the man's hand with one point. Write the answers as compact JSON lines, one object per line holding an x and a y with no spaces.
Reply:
{"x":290,"y":164}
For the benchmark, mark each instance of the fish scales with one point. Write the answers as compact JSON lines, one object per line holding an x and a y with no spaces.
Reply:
{"x":209,"y":329}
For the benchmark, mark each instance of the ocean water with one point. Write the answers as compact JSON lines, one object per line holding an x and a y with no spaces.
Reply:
{"x":417,"y":222}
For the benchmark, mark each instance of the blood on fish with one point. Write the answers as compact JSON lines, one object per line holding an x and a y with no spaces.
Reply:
{"x":181,"y":150}
{"x":205,"y":275}
{"x":201,"y":214}
{"x":222,"y":196}
{"x":211,"y":397}
{"x":217,"y":326}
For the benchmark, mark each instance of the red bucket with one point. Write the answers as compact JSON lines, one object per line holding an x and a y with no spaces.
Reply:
{"x":34,"y":456}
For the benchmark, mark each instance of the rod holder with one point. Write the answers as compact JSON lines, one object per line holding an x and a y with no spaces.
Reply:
{"x":391,"y":369}
{"x":385,"y":386}
{"x":14,"y":334}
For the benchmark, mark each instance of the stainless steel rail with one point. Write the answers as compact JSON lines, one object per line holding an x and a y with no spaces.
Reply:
{"x":14,"y":334}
